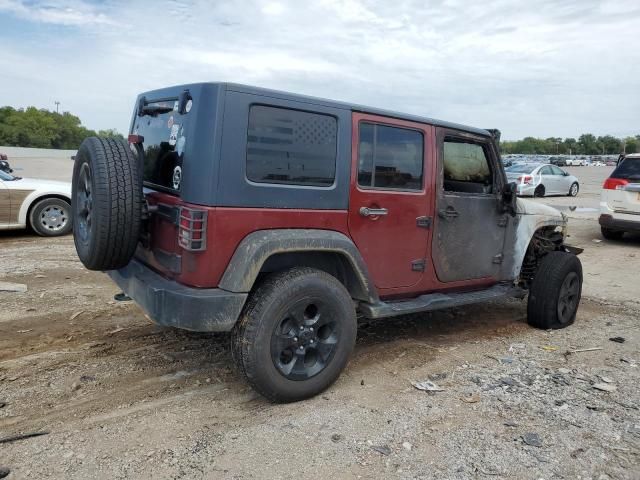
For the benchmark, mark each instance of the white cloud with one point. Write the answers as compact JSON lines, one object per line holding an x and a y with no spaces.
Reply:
{"x":543,"y":68}
{"x":76,"y":13}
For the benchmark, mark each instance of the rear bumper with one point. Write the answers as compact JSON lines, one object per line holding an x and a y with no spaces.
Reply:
{"x":608,"y":221}
{"x":526,"y":190}
{"x":172,"y":304}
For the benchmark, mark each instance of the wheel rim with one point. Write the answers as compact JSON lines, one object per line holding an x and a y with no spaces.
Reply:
{"x":54,"y":218}
{"x":574,"y":190}
{"x":568,"y":297}
{"x":84,"y":204}
{"x":305,"y":340}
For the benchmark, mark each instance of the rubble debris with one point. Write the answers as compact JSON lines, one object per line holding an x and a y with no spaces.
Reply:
{"x":407,"y":446}
{"x":383,"y":449}
{"x":605,"y":387}
{"x":22,"y":436}
{"x":336,"y":437}
{"x":4,"y":471}
{"x":580,"y":350}
{"x":76,"y":315}
{"x":427,"y":386}
{"x":122,"y":297}
{"x":3,"y":404}
{"x":618,"y":339}
{"x":532,"y":439}
{"x":473,"y":398}
{"x":13,"y":287}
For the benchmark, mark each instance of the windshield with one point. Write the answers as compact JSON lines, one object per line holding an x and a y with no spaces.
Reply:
{"x":520,"y":168}
{"x":629,"y":169}
{"x":5,"y":176}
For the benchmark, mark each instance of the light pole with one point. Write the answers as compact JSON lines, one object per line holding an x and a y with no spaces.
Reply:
{"x":57,"y":105}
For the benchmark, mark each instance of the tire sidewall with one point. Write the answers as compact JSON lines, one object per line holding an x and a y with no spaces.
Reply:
{"x":269,"y":315}
{"x":40,"y":206}
{"x":541,"y":302}
{"x":83,"y":157}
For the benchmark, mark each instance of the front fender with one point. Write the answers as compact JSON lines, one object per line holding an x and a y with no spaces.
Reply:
{"x":531,"y":217}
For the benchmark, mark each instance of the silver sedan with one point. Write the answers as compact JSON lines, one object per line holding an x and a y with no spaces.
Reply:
{"x":538,"y":180}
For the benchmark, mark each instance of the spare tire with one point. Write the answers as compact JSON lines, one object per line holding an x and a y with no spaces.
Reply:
{"x":107,"y":203}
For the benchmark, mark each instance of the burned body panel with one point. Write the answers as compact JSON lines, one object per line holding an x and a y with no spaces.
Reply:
{"x":531,"y":217}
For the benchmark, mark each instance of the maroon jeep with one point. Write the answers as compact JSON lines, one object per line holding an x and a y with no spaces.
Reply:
{"x":281,"y":218}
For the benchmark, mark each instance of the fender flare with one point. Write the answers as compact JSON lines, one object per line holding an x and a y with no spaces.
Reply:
{"x":256,"y":248}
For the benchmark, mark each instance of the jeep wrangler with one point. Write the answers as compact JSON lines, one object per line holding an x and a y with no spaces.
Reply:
{"x":283,"y":218}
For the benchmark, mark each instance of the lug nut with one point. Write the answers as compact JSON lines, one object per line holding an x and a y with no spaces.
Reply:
{"x":311,"y":341}
{"x":311,"y":328}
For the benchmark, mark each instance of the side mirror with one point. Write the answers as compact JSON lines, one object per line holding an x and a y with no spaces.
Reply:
{"x":510,"y":198}
{"x":566,"y":174}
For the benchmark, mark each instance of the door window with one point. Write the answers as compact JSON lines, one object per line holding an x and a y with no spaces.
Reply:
{"x":557,"y":171}
{"x":546,"y":171}
{"x":390,"y":157}
{"x":466,"y":167}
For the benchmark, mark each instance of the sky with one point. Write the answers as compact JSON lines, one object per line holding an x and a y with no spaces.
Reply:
{"x":530,"y":68}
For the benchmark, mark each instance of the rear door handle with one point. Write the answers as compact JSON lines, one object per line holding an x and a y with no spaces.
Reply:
{"x":373,"y":212}
{"x":448,"y":212}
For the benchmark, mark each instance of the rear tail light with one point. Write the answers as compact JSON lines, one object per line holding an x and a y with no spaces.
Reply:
{"x":192,"y":231}
{"x":526,"y":179}
{"x":615,"y":183}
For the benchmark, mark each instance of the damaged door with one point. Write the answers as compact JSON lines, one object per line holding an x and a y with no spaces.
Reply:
{"x":470,"y":224}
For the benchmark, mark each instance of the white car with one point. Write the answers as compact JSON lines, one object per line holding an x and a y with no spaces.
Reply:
{"x":620,"y":200}
{"x":43,"y":205}
{"x":576,"y":162}
{"x":535,"y":180}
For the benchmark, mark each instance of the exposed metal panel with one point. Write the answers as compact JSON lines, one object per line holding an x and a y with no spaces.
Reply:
{"x":17,"y":197}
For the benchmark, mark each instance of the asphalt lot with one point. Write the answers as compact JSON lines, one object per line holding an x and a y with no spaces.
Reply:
{"x":123,"y":398}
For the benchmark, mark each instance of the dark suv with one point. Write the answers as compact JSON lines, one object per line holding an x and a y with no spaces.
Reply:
{"x":282,"y":218}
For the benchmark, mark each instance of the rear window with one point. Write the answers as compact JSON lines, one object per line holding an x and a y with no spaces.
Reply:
{"x":291,"y":147}
{"x":164,"y":130}
{"x":628,"y":169}
{"x":520,"y":169}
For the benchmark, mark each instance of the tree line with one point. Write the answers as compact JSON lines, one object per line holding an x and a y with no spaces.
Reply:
{"x":40,"y":128}
{"x":586,"y":144}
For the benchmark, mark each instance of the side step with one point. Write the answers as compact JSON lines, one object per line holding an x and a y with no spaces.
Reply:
{"x":437,"y":301}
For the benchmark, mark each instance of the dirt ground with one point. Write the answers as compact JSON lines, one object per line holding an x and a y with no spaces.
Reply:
{"x":123,"y":398}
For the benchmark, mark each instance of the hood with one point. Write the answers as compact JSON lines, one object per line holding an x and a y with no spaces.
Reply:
{"x":529,"y":207}
{"x":39,"y":184}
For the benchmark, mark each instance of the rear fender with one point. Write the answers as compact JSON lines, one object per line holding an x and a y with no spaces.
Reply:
{"x":256,"y":248}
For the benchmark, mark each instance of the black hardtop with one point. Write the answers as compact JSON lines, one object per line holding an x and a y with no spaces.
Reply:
{"x":265,"y":92}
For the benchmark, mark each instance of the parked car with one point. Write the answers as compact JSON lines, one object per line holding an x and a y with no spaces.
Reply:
{"x":536,"y":180}
{"x":557,"y":161}
{"x":620,"y":200}
{"x":5,"y":167}
{"x":576,"y":162}
{"x":43,"y":205}
{"x":281,"y":218}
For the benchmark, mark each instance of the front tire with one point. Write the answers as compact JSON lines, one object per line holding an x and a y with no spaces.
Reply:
{"x":295,"y":335}
{"x":51,"y":217}
{"x":575,"y":188}
{"x":611,"y":234}
{"x":555,"y":292}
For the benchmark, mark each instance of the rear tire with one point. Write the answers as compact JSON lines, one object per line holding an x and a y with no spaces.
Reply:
{"x":611,"y":234}
{"x":539,"y":191}
{"x":107,"y":202}
{"x":51,"y":217}
{"x":295,"y":334}
{"x":555,"y":292}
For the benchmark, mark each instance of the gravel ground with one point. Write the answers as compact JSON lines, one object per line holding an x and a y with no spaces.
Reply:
{"x":123,"y":398}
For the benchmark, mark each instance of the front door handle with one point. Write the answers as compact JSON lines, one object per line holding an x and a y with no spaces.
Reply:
{"x":373,"y":212}
{"x":449,"y":212}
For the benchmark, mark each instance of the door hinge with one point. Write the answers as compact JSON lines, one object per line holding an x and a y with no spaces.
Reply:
{"x":424,"y":222}
{"x":497,"y":258}
{"x":418,"y":265}
{"x":502,"y":222}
